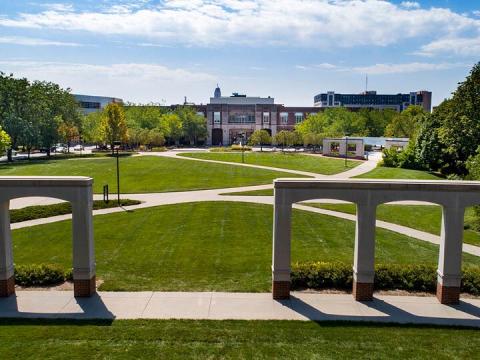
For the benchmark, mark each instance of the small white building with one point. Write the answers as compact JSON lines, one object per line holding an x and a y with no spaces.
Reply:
{"x":399,"y":144}
{"x":353,"y":147}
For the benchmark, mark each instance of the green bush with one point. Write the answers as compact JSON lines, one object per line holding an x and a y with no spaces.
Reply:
{"x":159,"y":148}
{"x":41,"y":275}
{"x":39,"y":212}
{"x":320,"y":275}
{"x":240,"y":148}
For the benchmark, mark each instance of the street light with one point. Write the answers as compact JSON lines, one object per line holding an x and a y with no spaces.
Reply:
{"x":117,"y":146}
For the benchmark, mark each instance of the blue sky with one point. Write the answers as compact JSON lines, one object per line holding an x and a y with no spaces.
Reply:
{"x":161,"y":51}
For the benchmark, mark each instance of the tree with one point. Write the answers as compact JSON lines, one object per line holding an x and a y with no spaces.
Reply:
{"x":15,"y":111}
{"x":283,"y":138}
{"x":114,"y":127}
{"x":406,"y":123}
{"x":260,"y":137}
{"x":4,"y":141}
{"x":194,"y":125}
{"x":91,"y":128}
{"x":171,"y":126}
{"x":155,"y":138}
{"x":67,"y":133}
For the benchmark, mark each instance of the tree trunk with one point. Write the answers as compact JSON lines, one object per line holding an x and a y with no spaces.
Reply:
{"x":9,"y":155}
{"x":48,"y":151}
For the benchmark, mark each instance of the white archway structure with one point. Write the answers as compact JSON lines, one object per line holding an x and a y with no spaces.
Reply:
{"x":453,"y":196}
{"x":75,"y":189}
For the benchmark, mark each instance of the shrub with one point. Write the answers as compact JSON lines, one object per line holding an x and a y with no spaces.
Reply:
{"x":320,"y":275}
{"x":41,"y":275}
{"x":38,"y":212}
{"x":240,"y":148}
{"x":159,"y":148}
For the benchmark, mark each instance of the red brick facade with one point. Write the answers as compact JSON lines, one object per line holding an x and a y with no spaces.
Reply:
{"x":281,"y":290}
{"x":84,"y":288}
{"x":7,"y":287}
{"x":448,"y":294}
{"x":363,"y":291}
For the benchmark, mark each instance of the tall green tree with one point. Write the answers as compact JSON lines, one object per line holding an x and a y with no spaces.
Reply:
{"x":171,"y":127}
{"x":114,"y":126}
{"x":260,"y":137}
{"x":406,"y":123}
{"x":194,"y":125}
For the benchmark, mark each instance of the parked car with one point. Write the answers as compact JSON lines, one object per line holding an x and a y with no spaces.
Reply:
{"x":78,"y":148}
{"x":60,"y":149}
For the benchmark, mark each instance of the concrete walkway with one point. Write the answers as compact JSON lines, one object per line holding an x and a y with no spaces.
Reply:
{"x":246,"y":306}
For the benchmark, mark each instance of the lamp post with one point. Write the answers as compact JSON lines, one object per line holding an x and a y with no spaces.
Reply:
{"x":117,"y":146}
{"x":242,"y":137}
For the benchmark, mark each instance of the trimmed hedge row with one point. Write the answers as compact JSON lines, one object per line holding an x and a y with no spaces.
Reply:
{"x":41,"y":275}
{"x":44,"y":211}
{"x":320,"y":275}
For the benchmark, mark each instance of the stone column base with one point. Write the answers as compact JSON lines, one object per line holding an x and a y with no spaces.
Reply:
{"x":84,"y":288}
{"x":363,"y":291}
{"x":7,"y":287}
{"x":448,"y":294}
{"x":281,"y":290}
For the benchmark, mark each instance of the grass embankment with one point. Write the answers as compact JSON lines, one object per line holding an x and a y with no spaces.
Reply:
{"x":186,"y":339}
{"x":291,"y":161}
{"x":381,"y":172}
{"x":218,"y":246}
{"x":45,"y":211}
{"x":148,"y":173}
{"x":426,"y":218}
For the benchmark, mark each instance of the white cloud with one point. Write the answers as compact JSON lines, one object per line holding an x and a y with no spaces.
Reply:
{"x":310,"y":23}
{"x":413,"y":67}
{"x":133,"y":81}
{"x":410,"y":4}
{"x":58,"y":6}
{"x":452,"y":46}
{"x":383,"y":69}
{"x":28,"y":41}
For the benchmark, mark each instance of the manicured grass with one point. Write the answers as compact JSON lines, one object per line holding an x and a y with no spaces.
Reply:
{"x":421,"y":217}
{"x":149,"y":173}
{"x":315,"y":164}
{"x":186,"y":339}
{"x":396,"y":173}
{"x":44,"y":211}
{"x":264,"y":192}
{"x":218,"y":246}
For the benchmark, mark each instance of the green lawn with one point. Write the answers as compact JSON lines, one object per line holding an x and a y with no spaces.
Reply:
{"x":149,"y":173}
{"x":292,"y":161}
{"x":264,"y":192}
{"x":421,"y":217}
{"x":219,"y":246}
{"x":381,"y":172}
{"x":187,"y":339}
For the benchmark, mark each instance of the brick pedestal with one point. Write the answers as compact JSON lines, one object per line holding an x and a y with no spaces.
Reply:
{"x":7,"y":287}
{"x":281,"y":290}
{"x":362,"y":291}
{"x":448,"y":294}
{"x":84,"y":288}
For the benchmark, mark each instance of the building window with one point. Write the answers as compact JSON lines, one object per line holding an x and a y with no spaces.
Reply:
{"x":89,"y":105}
{"x":200,"y":113}
{"x":241,"y":119}
{"x":217,"y":119}
{"x":284,"y":118}
{"x":298,"y":117}
{"x":266,"y":118}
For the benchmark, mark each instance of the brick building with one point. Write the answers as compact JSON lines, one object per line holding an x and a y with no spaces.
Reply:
{"x":229,"y":116}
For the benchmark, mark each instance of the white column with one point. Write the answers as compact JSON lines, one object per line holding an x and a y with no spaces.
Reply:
{"x":282,"y":213}
{"x":7,"y":279}
{"x":450,"y":256}
{"x":364,"y":257}
{"x":83,"y":245}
